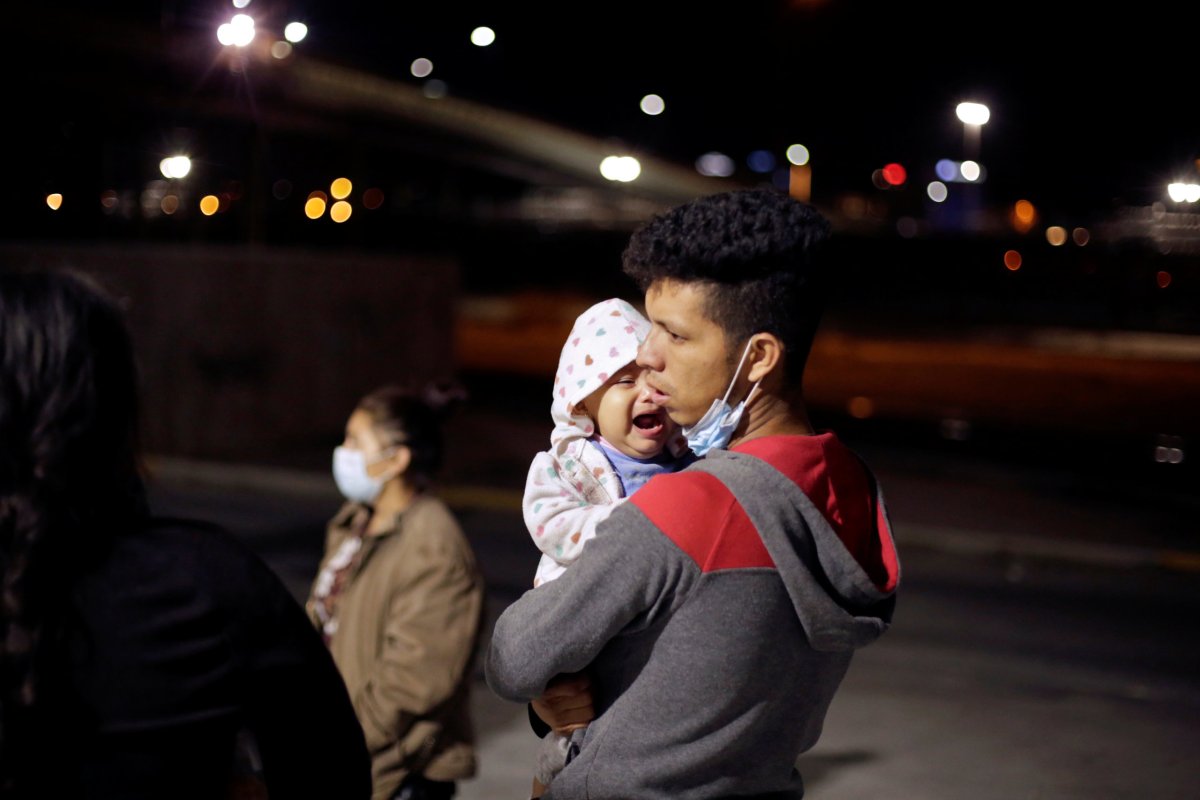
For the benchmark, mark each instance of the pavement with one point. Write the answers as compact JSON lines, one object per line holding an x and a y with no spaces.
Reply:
{"x":941,"y":708}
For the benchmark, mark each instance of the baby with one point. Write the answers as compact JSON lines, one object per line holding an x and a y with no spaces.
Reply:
{"x":608,"y":441}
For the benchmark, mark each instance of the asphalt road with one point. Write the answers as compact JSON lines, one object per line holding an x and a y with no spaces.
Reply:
{"x":1044,"y":644}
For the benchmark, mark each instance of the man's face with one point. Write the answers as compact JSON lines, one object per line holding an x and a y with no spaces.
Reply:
{"x":685,"y":355}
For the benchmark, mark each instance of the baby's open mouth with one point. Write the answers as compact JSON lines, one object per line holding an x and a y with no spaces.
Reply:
{"x":648,"y":424}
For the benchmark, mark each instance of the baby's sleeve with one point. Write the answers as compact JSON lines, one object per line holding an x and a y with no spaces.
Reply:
{"x":558,"y":516}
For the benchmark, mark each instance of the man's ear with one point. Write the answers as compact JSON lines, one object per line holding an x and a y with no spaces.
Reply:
{"x":766,"y":356}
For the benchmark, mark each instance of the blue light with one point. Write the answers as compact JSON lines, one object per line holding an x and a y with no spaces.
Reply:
{"x":761,"y":161}
{"x":946,"y":169}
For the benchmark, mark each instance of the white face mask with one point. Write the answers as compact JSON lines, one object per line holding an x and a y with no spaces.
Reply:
{"x":350,"y":474}
{"x":715,"y":428}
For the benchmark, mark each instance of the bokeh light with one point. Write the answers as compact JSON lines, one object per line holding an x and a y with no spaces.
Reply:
{"x":973,"y":113}
{"x":895,"y":174}
{"x":1081,"y":236}
{"x":314,"y":207}
{"x":937,"y":191}
{"x":715,"y":165}
{"x":761,"y":161}
{"x":109,"y":200}
{"x":295,"y":32}
{"x":280,"y":49}
{"x":1056,"y":235}
{"x":623,"y":169}
{"x":1024,"y":216}
{"x":341,"y":188}
{"x":653,"y":105}
{"x":907,"y":227}
{"x":238,"y":32}
{"x":175,"y":166}
{"x":969,"y":170}
{"x":1012,"y":260}
{"x":372,"y":199}
{"x":421,"y":68}
{"x":169,"y":204}
{"x":946,"y":169}
{"x":434,"y":89}
{"x":798,"y":154}
{"x":209,"y":205}
{"x":340,"y":212}
{"x":860,"y":407}
{"x":54,"y":200}
{"x":483,"y":36}
{"x":240,"y":3}
{"x":1163,"y":279}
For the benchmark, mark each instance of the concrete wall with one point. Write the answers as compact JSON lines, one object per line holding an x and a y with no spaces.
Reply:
{"x":255,"y":353}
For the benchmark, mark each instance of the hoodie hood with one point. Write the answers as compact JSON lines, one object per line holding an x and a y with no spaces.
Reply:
{"x":604,"y":339}
{"x":835,"y":598}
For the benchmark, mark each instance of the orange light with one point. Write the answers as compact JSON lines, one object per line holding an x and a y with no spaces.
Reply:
{"x":54,"y":201}
{"x":1012,"y":260}
{"x":209,"y":204}
{"x":800,"y":182}
{"x":340,"y":212}
{"x":314,"y":208}
{"x":341,"y":188}
{"x":317,"y":193}
{"x":860,"y":407}
{"x":1024,"y":216}
{"x":1056,"y":235}
{"x":1163,"y":279}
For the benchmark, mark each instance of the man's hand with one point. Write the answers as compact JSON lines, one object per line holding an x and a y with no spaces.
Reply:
{"x":566,"y":705}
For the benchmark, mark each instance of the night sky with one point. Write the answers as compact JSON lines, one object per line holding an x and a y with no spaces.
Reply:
{"x":1091,"y":109}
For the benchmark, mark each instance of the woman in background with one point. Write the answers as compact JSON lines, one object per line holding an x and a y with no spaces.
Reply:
{"x":139,"y":657}
{"x":398,"y":598}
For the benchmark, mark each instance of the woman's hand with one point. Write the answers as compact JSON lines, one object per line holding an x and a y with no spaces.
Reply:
{"x":566,"y":705}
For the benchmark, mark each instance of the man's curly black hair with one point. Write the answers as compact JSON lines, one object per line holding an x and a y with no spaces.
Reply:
{"x":753,"y":251}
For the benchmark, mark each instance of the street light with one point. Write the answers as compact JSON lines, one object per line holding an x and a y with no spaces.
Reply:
{"x":973,"y":116}
{"x":175,"y":167}
{"x":238,"y":32}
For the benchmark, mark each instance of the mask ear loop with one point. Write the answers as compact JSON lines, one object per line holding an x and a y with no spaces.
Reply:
{"x":737,"y":372}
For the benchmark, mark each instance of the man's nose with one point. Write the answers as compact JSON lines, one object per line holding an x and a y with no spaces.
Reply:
{"x":644,"y":391}
{"x":648,"y":354}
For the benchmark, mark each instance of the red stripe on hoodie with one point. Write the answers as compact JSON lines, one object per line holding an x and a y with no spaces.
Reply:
{"x":685,"y":507}
{"x":841,"y":489}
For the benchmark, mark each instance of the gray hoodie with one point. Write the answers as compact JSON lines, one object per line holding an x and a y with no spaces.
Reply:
{"x":716,"y":612}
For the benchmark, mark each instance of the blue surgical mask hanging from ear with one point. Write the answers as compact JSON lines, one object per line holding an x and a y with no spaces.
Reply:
{"x":353,"y":481}
{"x":714,"y":430}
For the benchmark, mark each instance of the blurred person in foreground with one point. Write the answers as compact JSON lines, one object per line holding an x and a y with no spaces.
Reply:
{"x":716,"y":611}
{"x":139,"y":657}
{"x":398,"y":597}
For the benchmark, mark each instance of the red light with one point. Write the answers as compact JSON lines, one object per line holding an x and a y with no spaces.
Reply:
{"x":1163,"y":279}
{"x":895,"y":174}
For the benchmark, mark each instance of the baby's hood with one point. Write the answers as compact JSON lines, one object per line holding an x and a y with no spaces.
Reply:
{"x":605,"y":339}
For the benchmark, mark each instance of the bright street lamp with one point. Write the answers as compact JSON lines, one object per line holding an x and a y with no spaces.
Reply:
{"x":973,"y":116}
